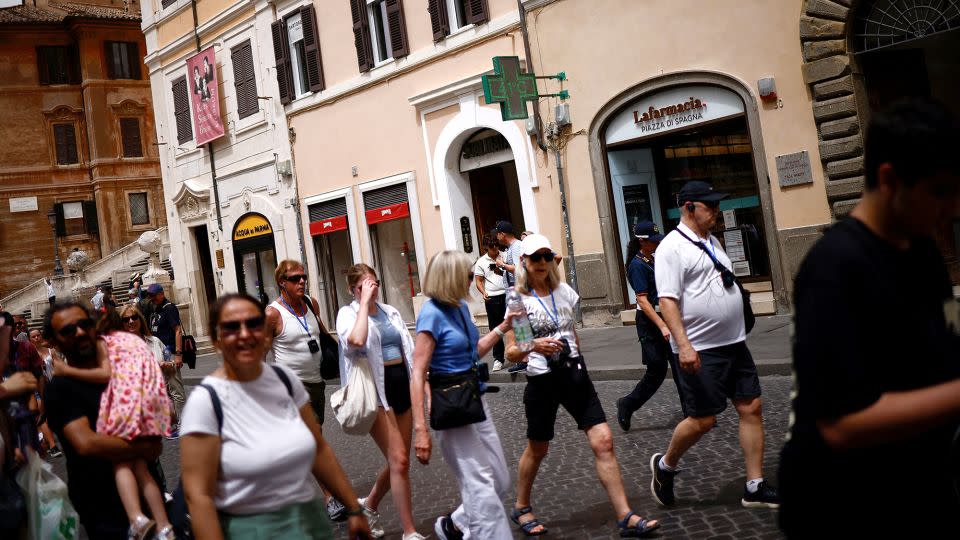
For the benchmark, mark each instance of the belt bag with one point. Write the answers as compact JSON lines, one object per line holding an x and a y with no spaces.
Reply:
{"x":455,"y":399}
{"x":355,"y":405}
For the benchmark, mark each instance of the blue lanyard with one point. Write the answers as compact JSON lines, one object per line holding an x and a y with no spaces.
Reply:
{"x":710,"y":247}
{"x":555,"y":316}
{"x":303,"y":323}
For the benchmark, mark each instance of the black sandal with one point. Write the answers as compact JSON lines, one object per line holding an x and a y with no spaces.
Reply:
{"x":527,"y":527}
{"x":641,"y":529}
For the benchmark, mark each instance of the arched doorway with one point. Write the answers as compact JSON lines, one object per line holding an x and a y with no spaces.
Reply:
{"x":255,"y":256}
{"x":487,"y":163}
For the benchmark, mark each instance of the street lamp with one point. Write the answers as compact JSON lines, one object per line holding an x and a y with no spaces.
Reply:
{"x":57,"y":269}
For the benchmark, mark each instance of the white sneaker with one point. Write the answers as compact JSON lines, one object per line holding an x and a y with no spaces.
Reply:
{"x":373,"y":519}
{"x":414,"y":536}
{"x":497,"y":365}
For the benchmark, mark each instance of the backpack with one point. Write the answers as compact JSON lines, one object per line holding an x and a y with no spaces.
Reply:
{"x":177,"y":510}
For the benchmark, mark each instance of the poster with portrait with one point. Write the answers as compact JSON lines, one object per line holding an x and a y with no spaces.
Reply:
{"x":204,"y":96}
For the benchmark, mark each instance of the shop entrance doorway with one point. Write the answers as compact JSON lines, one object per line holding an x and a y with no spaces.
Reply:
{"x":487,"y":161}
{"x":331,"y":237}
{"x":255,"y":257}
{"x":205,"y":282}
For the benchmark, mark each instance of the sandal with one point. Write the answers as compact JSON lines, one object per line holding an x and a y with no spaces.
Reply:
{"x":639,"y":530}
{"x":529,"y":526}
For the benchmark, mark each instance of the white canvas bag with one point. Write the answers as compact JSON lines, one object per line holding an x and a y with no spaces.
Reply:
{"x":355,"y":404}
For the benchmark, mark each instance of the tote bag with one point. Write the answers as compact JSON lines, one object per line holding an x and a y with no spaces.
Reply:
{"x":355,"y":405}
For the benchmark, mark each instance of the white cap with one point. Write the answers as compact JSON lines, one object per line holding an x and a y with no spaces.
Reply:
{"x":534,"y":243}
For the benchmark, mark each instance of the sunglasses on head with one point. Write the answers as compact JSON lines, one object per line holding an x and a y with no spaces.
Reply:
{"x":70,"y":330}
{"x":296,"y":278}
{"x":545,"y":257}
{"x":253,"y":324}
{"x":131,"y":319}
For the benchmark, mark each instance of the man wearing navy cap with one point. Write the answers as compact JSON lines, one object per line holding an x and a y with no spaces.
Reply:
{"x":703,"y":309}
{"x":652,"y":332}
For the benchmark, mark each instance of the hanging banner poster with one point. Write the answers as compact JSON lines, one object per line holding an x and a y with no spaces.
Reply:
{"x":204,"y":96}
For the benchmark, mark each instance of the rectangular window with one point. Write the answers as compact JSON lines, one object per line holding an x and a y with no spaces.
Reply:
{"x":167,"y":3}
{"x":58,"y":64}
{"x":123,"y":59}
{"x":65,"y":141}
{"x":298,"y":54}
{"x":394,"y":248}
{"x":379,"y":30}
{"x":130,"y":137}
{"x":73,"y":221}
{"x":244,"y":80}
{"x":139,"y":211}
{"x":458,"y":14}
{"x":181,"y":110}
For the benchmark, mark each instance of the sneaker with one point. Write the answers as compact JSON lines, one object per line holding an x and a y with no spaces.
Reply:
{"x":414,"y":536}
{"x":174,"y":435}
{"x":165,"y":533}
{"x":446,"y":530}
{"x":140,"y":528}
{"x":497,"y":365}
{"x":55,"y":452}
{"x":766,"y":496}
{"x":661,"y":483}
{"x":336,"y":510}
{"x":373,"y":518}
{"x":623,"y":415}
{"x":517,"y":368}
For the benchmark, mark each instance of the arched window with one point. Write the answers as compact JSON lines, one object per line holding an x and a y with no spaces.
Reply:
{"x":882,"y":23}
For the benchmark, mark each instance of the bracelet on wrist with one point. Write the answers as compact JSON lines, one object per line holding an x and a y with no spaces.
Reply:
{"x":357,"y":512}
{"x":498,"y":331}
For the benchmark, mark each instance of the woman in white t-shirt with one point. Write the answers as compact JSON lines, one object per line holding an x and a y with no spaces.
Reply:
{"x":251,"y":475}
{"x":557,"y":375}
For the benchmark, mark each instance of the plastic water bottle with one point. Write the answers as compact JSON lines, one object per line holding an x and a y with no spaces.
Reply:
{"x":167,"y":355}
{"x":521,"y":324}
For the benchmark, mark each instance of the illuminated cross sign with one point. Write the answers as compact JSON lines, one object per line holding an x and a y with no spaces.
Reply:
{"x":509,"y":87}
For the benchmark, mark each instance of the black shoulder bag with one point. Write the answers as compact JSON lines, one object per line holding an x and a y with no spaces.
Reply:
{"x":728,"y":281}
{"x":455,"y":397}
{"x":329,"y":347}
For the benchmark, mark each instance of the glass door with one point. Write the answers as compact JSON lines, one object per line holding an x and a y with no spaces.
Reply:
{"x":635,"y":197}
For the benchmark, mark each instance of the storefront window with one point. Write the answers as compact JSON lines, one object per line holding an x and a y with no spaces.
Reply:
{"x":256,"y":258}
{"x":394,"y":247}
{"x":334,"y":249}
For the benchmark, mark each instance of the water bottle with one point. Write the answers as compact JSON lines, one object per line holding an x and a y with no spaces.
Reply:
{"x":521,"y":324}
{"x":167,"y":355}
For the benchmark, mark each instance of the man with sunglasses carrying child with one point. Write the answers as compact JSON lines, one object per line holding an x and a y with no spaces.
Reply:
{"x":703,"y":309}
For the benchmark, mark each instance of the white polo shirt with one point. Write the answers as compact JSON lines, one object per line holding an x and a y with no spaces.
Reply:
{"x":711,"y":313}
{"x":495,"y":284}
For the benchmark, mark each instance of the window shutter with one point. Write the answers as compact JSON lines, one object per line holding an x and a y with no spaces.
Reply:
{"x":65,"y":141}
{"x":130,"y":137}
{"x":90,"y":217}
{"x":398,"y":28}
{"x":108,"y":56}
{"x":70,"y":132}
{"x":244,"y":80}
{"x":167,"y":3}
{"x":439,"y":20}
{"x":43,"y":65}
{"x":477,"y":11}
{"x":311,"y":45}
{"x":361,"y":35}
{"x":59,"y":225}
{"x":133,"y":56}
{"x":181,"y":110}
{"x":73,"y":65}
{"x":283,"y":62}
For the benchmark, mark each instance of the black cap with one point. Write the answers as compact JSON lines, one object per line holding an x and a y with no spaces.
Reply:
{"x":699,"y":191}
{"x":504,"y":227}
{"x":647,"y":230}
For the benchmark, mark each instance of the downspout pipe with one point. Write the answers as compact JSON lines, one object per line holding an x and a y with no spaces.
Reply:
{"x":213,"y":162}
{"x":538,"y":125}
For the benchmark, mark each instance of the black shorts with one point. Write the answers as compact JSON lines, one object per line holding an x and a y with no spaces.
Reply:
{"x":317,"y":391}
{"x":726,"y":372}
{"x":396,"y":383}
{"x":571,"y":388}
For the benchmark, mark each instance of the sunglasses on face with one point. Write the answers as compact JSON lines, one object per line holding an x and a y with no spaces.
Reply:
{"x":297,"y":278}
{"x":253,"y":324}
{"x":70,"y":330}
{"x":130,"y":319}
{"x":713,"y":205}
{"x":545,"y":257}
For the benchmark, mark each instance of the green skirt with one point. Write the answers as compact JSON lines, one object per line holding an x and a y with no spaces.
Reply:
{"x":304,"y":521}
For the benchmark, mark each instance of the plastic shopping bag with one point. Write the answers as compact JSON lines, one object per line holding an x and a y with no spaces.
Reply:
{"x":50,"y":514}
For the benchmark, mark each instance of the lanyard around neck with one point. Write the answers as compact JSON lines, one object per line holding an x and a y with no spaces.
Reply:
{"x":303,"y":323}
{"x":555,"y":316}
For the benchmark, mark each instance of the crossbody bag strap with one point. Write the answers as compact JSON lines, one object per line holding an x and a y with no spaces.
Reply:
{"x":471,"y":346}
{"x":320,"y":325}
{"x":716,"y":263}
{"x":217,"y":406}
{"x":283,"y":378}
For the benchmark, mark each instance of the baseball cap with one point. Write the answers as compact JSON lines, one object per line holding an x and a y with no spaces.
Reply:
{"x":533,"y":243}
{"x":504,"y":227}
{"x":647,"y":230}
{"x":154,"y":288}
{"x":699,"y":191}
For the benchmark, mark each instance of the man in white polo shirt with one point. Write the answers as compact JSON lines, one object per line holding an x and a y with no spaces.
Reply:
{"x":703,"y":308}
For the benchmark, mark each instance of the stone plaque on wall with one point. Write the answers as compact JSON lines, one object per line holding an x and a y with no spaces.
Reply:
{"x":794,"y":169}
{"x":23,"y":204}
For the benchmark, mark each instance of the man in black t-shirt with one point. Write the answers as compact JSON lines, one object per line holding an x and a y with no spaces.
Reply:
{"x":877,"y":394}
{"x":72,"y":408}
{"x":165,"y":325}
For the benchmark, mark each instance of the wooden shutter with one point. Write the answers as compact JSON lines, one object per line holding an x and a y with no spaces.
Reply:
{"x":361,"y":35}
{"x":181,"y":110}
{"x":43,"y":64}
{"x":134,"y":59}
{"x":90,"y":217}
{"x":73,"y":65}
{"x":311,"y":45}
{"x":282,"y":56}
{"x":59,"y":225}
{"x":244,"y":80}
{"x":108,"y":55}
{"x":398,"y":28}
{"x":167,"y":3}
{"x":130,"y":137}
{"x":439,"y":19}
{"x":477,"y":11}
{"x":65,"y":141}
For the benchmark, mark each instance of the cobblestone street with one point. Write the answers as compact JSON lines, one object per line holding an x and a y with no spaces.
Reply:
{"x":567,"y":495}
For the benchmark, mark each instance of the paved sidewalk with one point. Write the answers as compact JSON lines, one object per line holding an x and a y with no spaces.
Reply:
{"x":614,"y":354}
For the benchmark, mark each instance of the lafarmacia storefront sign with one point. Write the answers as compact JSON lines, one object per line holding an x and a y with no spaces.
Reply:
{"x":672,"y":109}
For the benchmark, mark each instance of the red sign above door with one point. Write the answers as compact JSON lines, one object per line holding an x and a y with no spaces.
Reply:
{"x":386,"y":213}
{"x":325,"y":226}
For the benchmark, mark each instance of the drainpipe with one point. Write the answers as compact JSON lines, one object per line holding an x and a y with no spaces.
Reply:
{"x":213,"y":162}
{"x":526,"y":51}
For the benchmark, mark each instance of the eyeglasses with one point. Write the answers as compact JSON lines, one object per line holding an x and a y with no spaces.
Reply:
{"x":713,"y":205}
{"x":132,"y":318}
{"x":297,"y":278}
{"x":70,"y":330}
{"x":253,"y":324}
{"x":18,"y":324}
{"x":545,"y":257}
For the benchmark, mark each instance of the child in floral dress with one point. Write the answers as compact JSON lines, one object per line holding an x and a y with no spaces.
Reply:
{"x":134,"y":405}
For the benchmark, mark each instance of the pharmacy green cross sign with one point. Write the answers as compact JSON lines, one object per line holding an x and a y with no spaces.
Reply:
{"x":509,"y":87}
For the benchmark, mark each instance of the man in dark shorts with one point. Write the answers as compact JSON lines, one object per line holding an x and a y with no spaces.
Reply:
{"x":703,"y":309}
{"x":876,"y":399}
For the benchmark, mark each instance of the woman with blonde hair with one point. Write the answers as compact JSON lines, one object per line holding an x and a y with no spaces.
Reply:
{"x":449,"y":347}
{"x":557,"y":375}
{"x":375,"y":333}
